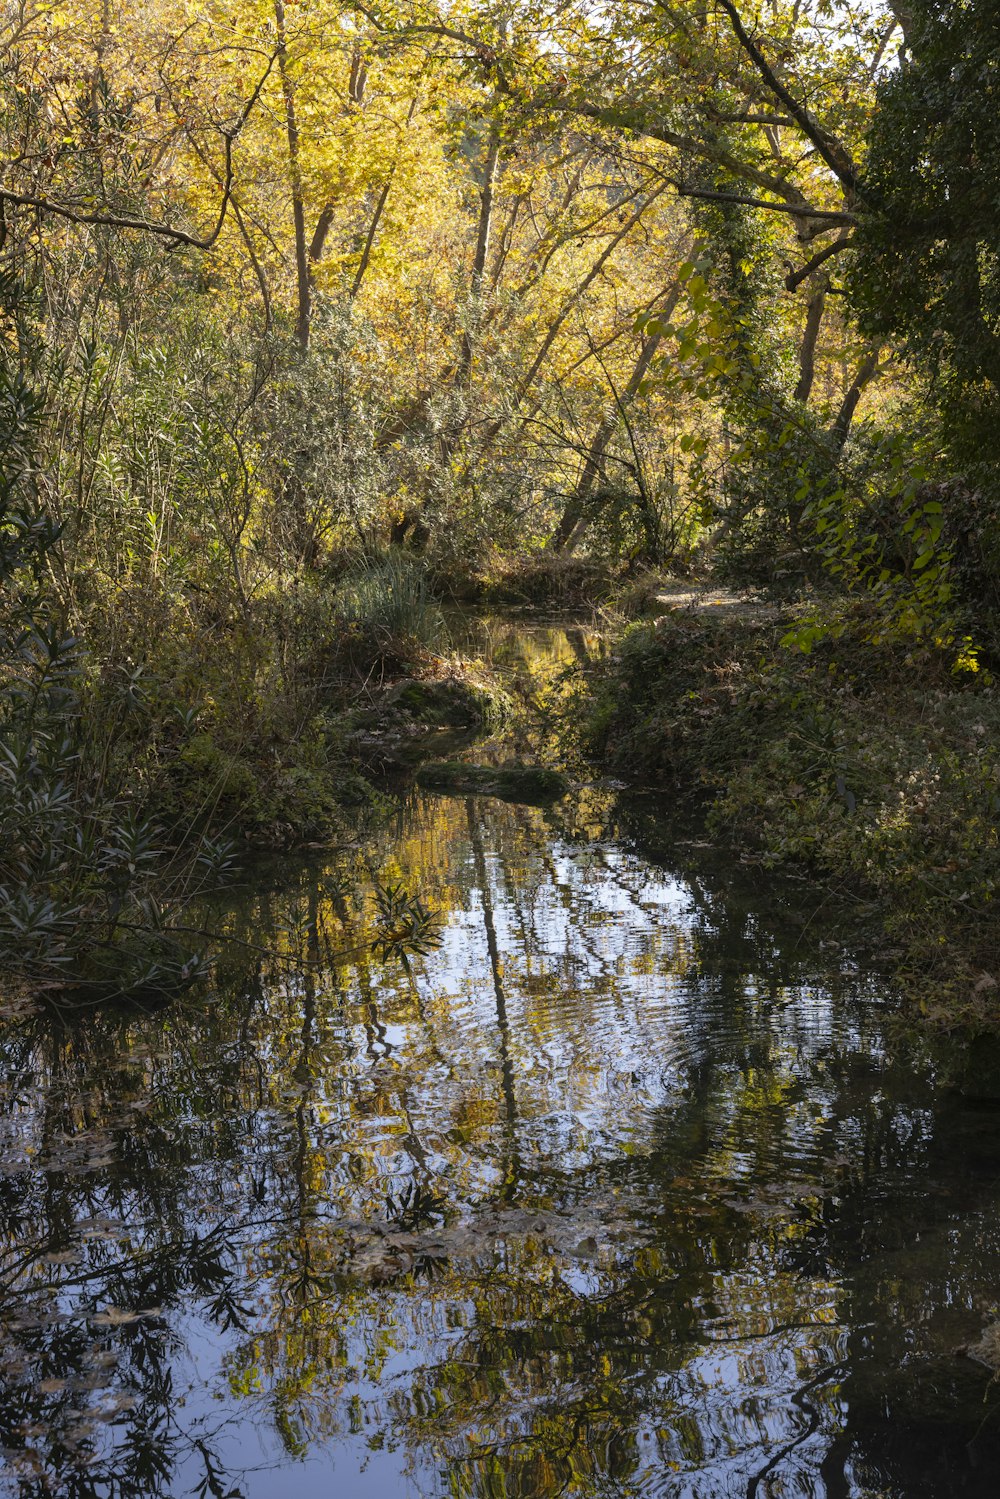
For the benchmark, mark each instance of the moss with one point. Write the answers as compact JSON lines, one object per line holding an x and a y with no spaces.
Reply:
{"x":462,"y":700}
{"x":452,"y":703}
{"x":532,"y":784}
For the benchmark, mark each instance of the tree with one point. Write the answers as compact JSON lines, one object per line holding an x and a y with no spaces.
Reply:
{"x":927,"y":273}
{"x":928,"y":265}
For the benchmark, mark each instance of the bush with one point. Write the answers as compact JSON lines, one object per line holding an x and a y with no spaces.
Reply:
{"x":86,"y":879}
{"x":875,"y":765}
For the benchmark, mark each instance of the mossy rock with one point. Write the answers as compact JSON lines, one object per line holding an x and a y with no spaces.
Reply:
{"x":535,"y":785}
{"x":452,"y":703}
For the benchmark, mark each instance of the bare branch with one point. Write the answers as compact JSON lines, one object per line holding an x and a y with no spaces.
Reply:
{"x":794,"y":279}
{"x":174,"y":236}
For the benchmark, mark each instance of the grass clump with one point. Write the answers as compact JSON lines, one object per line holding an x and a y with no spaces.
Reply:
{"x":386,"y":607}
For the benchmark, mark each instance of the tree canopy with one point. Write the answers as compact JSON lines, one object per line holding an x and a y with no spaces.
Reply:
{"x":316,"y":313}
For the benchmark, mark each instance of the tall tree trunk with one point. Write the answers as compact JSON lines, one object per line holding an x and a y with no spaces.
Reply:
{"x":302,"y":277}
{"x":487,"y":193}
{"x":867,"y":369}
{"x":810,"y":336}
{"x":574,"y":516}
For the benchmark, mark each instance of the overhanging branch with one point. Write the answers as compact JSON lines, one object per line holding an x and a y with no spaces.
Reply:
{"x":806,"y":211}
{"x":616,"y":118}
{"x":832,"y":151}
{"x":174,"y":237}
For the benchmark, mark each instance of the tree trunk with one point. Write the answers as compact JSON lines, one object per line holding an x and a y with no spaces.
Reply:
{"x":807,"y":351}
{"x":318,"y":242}
{"x":302,"y":277}
{"x":486,"y":200}
{"x":849,"y":405}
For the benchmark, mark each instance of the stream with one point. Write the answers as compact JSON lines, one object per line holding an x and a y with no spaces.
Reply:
{"x":628,"y":1184}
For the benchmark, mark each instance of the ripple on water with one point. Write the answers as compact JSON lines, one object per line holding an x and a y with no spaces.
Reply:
{"x":618,"y":1191}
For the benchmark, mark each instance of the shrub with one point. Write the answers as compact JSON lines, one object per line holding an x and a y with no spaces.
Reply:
{"x":386,"y":603}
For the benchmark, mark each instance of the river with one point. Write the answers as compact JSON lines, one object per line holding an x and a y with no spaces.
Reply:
{"x":624,"y":1182}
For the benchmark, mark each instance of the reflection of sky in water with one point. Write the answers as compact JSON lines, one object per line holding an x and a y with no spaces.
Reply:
{"x":617,"y":1192}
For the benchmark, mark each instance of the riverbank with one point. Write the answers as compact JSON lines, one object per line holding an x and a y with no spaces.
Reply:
{"x":873,"y":765}
{"x":129,"y":791}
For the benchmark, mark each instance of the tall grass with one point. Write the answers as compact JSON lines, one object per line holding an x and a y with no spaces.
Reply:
{"x":387,"y":599}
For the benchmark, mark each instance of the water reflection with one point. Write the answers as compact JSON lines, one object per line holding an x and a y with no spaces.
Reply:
{"x":620,"y":1191}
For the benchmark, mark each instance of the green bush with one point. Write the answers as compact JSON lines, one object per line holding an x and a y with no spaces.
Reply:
{"x":876,"y":765}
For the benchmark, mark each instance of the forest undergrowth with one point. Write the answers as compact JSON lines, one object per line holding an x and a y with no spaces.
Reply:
{"x":875,"y":766}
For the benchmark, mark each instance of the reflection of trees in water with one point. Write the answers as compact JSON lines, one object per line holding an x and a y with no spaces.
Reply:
{"x":604,"y":1166}
{"x":512,"y":1162}
{"x":97,"y":1249}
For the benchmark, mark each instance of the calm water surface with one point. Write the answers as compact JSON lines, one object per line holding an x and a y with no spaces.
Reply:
{"x":620,"y":1190}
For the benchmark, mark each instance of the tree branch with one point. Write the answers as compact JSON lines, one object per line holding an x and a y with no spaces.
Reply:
{"x":832,"y":151}
{"x":749,"y":119}
{"x":176,"y":237}
{"x":124,"y":221}
{"x":618,"y":119}
{"x":485,"y":53}
{"x":794,"y":279}
{"x":803,"y":211}
{"x":810,"y":338}
{"x":323,"y":226}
